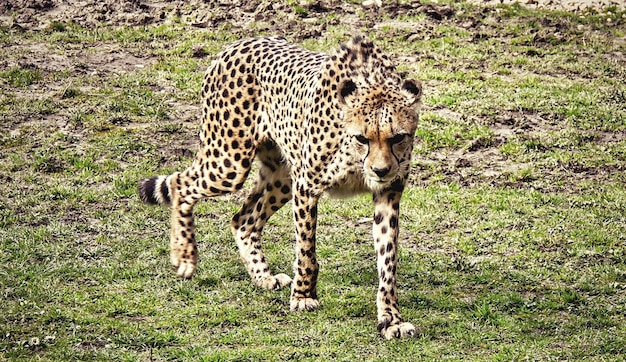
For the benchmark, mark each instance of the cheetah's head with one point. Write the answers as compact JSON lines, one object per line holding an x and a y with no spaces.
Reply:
{"x":380,"y":125}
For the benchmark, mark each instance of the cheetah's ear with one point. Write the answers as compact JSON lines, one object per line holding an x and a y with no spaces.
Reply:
{"x":412,"y":89}
{"x":347,"y":88}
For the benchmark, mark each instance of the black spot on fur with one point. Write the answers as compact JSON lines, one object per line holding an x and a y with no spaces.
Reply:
{"x":347,"y":88}
{"x":393,"y":222}
{"x":165,"y":192}
{"x":383,"y":325}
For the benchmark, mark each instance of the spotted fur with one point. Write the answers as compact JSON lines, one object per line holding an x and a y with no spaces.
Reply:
{"x":342,"y":124}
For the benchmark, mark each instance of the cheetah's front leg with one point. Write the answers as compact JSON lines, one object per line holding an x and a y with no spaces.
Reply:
{"x":271,"y":192}
{"x":385,"y":231}
{"x":304,"y":285}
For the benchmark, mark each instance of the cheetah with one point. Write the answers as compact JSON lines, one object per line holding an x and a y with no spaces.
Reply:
{"x":339,"y":124}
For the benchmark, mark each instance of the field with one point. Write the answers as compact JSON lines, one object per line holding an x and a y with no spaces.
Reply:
{"x":513,"y":229}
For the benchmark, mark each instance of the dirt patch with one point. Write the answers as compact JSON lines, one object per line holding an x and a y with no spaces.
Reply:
{"x":295,"y":21}
{"x":112,"y":58}
{"x":565,"y":5}
{"x":40,"y":14}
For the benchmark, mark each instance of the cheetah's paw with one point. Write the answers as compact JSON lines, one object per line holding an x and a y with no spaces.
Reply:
{"x":273,"y":282}
{"x":399,"y":330}
{"x":308,"y":304}
{"x":184,"y":268}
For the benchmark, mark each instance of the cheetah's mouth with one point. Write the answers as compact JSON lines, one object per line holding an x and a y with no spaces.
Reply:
{"x":380,"y":180}
{"x":377,"y":183}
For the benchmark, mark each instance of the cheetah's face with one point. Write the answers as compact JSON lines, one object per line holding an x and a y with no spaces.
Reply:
{"x":381,"y":125}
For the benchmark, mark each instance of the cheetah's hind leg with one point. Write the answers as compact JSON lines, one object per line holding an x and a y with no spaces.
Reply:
{"x":166,"y":190}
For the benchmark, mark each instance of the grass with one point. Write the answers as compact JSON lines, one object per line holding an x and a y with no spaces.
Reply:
{"x":512,"y":233}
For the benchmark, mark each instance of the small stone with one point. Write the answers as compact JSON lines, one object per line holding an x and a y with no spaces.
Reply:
{"x":372,"y":3}
{"x":462,"y":163}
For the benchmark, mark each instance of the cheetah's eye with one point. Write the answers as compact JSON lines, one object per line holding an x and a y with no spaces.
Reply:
{"x":362,"y":139}
{"x":397,"y":139}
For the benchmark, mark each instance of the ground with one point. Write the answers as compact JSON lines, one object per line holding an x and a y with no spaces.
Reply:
{"x":513,"y":229}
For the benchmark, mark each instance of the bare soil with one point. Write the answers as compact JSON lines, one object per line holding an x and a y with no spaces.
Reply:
{"x":565,"y":5}
{"x":38,"y":14}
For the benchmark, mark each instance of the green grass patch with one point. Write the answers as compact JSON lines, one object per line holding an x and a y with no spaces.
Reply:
{"x":17,"y":77}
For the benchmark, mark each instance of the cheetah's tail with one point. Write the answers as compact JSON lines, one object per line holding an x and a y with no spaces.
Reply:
{"x":155,"y":190}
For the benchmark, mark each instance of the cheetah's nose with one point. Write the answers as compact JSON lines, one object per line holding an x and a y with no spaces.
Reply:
{"x":381,"y":172}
